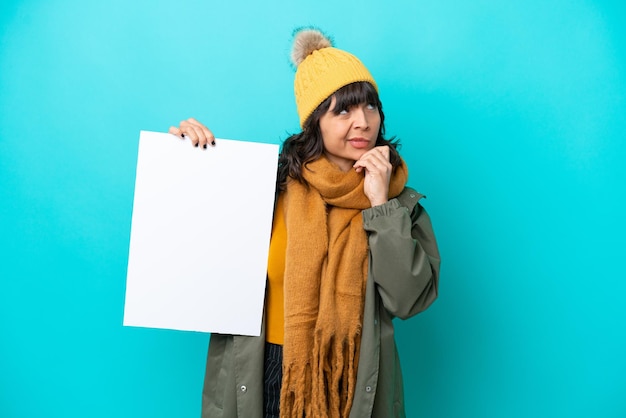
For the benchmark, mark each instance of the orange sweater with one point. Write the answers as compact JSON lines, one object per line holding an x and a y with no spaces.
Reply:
{"x":274,"y":315}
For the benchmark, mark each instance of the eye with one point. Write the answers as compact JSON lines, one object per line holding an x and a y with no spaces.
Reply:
{"x":372,"y":106}
{"x":341,"y":111}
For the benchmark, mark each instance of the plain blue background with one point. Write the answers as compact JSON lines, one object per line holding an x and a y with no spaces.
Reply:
{"x":512,"y":117}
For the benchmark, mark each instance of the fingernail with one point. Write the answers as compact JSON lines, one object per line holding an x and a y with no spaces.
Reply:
{"x":196,"y":144}
{"x":213,"y":143}
{"x":204,"y":146}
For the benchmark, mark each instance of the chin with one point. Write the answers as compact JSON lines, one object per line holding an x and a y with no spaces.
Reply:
{"x":357,"y":155}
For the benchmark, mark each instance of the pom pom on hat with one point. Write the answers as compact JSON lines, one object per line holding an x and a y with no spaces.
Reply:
{"x":305,"y":42}
{"x":321,"y":70}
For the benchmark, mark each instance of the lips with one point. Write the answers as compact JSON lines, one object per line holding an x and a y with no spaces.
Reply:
{"x":359,"y":143}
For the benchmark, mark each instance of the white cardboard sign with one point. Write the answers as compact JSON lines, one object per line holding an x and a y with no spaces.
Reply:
{"x":200,"y":235}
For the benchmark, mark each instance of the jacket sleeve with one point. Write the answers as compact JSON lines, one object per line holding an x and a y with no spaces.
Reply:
{"x":404,"y":258}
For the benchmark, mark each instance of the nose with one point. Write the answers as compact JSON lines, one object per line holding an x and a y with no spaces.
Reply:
{"x":360,"y":118}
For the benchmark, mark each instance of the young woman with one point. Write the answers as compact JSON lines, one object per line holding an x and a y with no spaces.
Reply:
{"x":351,"y":249}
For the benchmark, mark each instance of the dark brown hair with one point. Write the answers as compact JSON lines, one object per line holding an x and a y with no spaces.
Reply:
{"x":300,"y":149}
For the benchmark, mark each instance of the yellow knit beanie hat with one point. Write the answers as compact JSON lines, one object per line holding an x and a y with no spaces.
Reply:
{"x":322,"y":70}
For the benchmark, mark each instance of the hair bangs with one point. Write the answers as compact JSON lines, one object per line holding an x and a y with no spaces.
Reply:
{"x":355,"y":94}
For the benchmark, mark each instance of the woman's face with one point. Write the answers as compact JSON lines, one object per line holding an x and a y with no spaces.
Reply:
{"x":349,"y":133}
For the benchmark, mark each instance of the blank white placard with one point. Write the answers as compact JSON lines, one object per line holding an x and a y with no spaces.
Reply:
{"x":200,"y":234}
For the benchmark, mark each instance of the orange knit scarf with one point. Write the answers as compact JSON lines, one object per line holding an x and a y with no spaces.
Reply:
{"x":324,"y":289}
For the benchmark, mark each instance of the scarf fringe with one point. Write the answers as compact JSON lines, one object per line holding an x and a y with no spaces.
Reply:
{"x":335,"y":362}
{"x":297,"y":383}
{"x":329,"y":392}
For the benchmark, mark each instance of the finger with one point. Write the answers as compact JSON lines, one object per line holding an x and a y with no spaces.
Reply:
{"x":188,"y":131}
{"x":374,"y":160}
{"x":380,"y":155}
{"x":368,"y":165}
{"x":209,"y":135}
{"x":193,"y":130}
{"x":199,"y":134}
{"x":384,"y":151}
{"x":193,"y":121}
{"x":175,"y":131}
{"x":205,"y":136}
{"x":380,"y":159}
